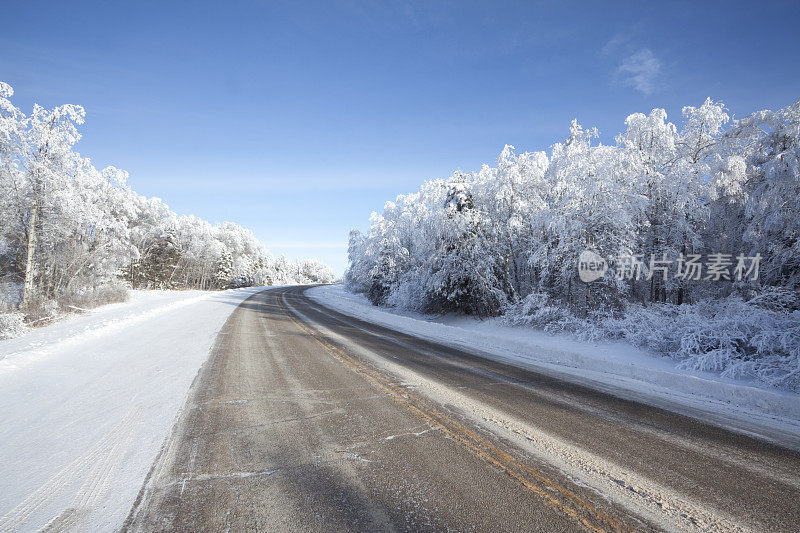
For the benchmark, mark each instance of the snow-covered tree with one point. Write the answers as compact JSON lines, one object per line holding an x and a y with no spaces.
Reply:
{"x":72,"y":235}
{"x":507,"y":238}
{"x":478,"y":242}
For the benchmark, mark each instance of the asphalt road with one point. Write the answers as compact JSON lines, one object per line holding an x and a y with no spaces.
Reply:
{"x":306,"y":419}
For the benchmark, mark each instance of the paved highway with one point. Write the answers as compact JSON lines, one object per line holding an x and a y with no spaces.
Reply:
{"x":303,"y":419}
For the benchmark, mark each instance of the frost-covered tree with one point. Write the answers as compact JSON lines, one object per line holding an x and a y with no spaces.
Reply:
{"x":506,"y":239}
{"x":479,"y":242}
{"x":463,"y":274}
{"x":75,"y":236}
{"x":773,"y":194}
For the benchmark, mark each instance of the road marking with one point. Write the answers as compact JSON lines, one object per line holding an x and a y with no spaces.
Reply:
{"x":588,"y":515}
{"x":656,"y":504}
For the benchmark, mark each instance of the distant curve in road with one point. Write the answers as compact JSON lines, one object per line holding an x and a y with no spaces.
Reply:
{"x":306,"y":419}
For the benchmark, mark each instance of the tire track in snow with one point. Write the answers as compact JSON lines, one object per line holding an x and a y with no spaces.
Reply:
{"x":95,"y":486}
{"x":99,"y":462}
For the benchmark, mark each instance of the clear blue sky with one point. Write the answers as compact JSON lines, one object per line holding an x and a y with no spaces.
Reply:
{"x":299,"y":119}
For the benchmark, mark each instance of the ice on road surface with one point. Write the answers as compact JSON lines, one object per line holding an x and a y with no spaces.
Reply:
{"x":88,"y":402}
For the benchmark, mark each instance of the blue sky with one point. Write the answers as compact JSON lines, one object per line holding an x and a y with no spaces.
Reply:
{"x":298,"y":119}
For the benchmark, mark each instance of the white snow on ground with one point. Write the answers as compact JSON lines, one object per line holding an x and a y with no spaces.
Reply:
{"x":619,"y":368}
{"x":88,"y":402}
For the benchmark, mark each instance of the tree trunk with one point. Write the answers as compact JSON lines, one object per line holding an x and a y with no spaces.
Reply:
{"x":27,"y":292}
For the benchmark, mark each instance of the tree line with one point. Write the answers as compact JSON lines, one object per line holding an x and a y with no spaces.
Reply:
{"x":505,"y":239}
{"x":75,"y":236}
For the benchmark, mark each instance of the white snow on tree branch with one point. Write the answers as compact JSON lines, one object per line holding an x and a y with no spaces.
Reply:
{"x":505,"y":240}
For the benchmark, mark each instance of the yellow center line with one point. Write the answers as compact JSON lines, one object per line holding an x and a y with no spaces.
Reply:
{"x":577,"y":508}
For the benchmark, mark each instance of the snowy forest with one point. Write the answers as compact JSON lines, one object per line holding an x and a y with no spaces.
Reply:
{"x":74,"y":237}
{"x":699,"y":223}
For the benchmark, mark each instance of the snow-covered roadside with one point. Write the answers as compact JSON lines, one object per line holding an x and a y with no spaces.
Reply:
{"x":619,"y":368}
{"x":38,"y":342}
{"x":88,"y":402}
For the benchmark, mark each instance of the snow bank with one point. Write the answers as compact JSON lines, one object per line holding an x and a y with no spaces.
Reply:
{"x":97,"y":322}
{"x":88,"y":403}
{"x":756,"y":339}
{"x":616,"y":367}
